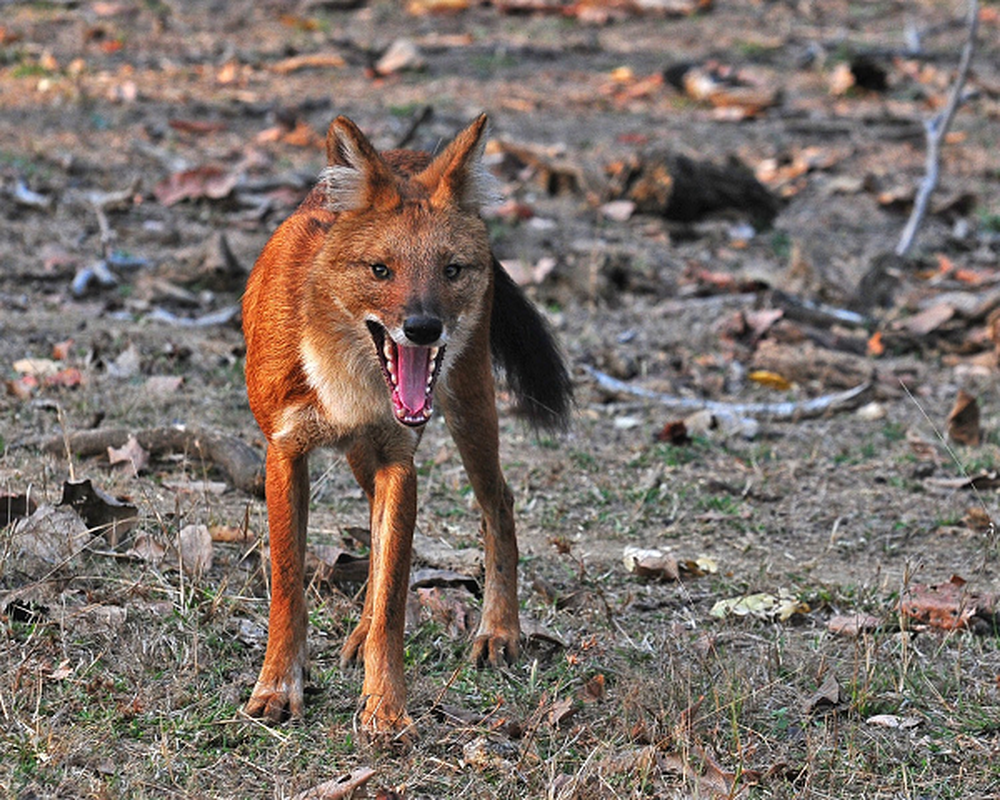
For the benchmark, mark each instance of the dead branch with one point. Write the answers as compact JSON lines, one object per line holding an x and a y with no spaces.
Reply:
{"x":804,"y":409}
{"x":233,"y":456}
{"x":338,"y":788}
{"x":936,"y":129}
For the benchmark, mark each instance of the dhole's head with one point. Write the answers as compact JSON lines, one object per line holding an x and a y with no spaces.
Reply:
{"x":407,"y":266}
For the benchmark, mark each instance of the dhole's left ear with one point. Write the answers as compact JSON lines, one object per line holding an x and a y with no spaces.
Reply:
{"x":356,"y":176}
{"x":458,"y":176}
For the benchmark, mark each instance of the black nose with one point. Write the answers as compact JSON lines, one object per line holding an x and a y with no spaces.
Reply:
{"x":422,"y":330}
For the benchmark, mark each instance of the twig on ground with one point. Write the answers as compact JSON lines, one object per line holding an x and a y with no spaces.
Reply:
{"x":233,"y":456}
{"x":803,"y":409}
{"x":936,"y":128}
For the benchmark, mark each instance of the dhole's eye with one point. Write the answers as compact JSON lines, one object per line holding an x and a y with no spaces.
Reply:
{"x":381,"y":271}
{"x":452,"y":271}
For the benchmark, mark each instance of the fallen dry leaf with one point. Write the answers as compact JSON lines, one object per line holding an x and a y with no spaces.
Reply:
{"x":308,"y":61}
{"x":772,"y":380}
{"x":853,"y":624}
{"x":402,"y":55}
{"x":947,"y":606}
{"x":131,"y":456}
{"x":762,"y":605}
{"x":561,"y":711}
{"x":827,"y":696}
{"x":52,"y":534}
{"x":194,"y":547}
{"x":650,"y":563}
{"x":976,"y":518}
{"x":963,"y":420}
{"x":213,"y":183}
{"x":146,"y":548}
{"x":422,"y":7}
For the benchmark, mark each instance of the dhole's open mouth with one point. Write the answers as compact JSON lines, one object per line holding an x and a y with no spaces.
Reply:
{"x":410,"y":372}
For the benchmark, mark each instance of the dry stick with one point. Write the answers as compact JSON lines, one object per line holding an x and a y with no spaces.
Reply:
{"x":779,"y":411}
{"x":936,"y":128}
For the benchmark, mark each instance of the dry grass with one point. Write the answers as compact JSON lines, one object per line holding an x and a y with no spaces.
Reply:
{"x":120,"y":680}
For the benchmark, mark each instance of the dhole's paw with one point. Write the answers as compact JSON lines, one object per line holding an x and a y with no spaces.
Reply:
{"x":385,"y":727}
{"x":353,"y":651}
{"x":496,"y":649}
{"x":277,"y":699}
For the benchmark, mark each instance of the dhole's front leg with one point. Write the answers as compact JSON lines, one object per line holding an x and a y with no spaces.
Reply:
{"x":378,"y":638}
{"x":472,"y":418}
{"x":280,"y":688}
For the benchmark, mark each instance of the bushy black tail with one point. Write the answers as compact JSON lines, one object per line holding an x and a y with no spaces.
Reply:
{"x":525,"y":348}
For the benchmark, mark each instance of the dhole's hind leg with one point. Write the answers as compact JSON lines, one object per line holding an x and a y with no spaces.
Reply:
{"x":472,"y":418}
{"x":279,"y":691}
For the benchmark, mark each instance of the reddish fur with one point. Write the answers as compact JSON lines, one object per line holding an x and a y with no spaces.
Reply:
{"x":313,"y":286}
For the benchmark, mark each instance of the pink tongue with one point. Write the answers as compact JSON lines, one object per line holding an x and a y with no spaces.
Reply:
{"x":412,"y":364}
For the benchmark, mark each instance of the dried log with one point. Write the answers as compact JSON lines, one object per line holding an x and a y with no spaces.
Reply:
{"x":805,"y":409}
{"x":682,"y":189}
{"x":233,"y":456}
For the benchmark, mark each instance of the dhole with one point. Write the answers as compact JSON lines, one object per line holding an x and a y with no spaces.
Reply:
{"x":375,"y":301}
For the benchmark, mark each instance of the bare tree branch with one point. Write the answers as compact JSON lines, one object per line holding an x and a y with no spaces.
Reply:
{"x":936,"y":129}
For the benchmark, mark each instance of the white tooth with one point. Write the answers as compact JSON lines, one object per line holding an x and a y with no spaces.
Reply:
{"x":434,"y":352}
{"x":387,"y":350}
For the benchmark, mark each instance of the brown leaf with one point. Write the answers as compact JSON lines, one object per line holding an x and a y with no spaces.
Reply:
{"x":402,"y":55}
{"x":335,"y":566}
{"x":146,"y":548}
{"x":422,"y":7}
{"x":651,"y":563}
{"x":976,"y":519}
{"x":826,"y":697}
{"x":853,"y":624}
{"x":309,"y":61}
{"x":51,"y":534}
{"x":448,"y":608}
{"x":928,"y":320}
{"x":947,"y":606}
{"x":963,"y":420}
{"x":199,"y":127}
{"x":561,"y":711}
{"x":194,"y":545}
{"x":230,"y":533}
{"x":131,"y":455}
{"x":593,"y":690}
{"x":213,"y":183}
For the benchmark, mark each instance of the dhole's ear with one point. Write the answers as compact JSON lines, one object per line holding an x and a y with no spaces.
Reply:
{"x":458,"y":176}
{"x":355,"y":177}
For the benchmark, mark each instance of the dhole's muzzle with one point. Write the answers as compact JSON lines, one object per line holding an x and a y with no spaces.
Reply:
{"x":410,"y":367}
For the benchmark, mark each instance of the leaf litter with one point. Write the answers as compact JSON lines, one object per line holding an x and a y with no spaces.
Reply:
{"x":866,"y":508}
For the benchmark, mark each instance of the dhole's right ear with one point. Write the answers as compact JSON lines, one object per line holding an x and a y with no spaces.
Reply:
{"x":355,"y":177}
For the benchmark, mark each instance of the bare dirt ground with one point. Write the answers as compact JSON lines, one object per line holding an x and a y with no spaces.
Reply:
{"x":167,"y":140}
